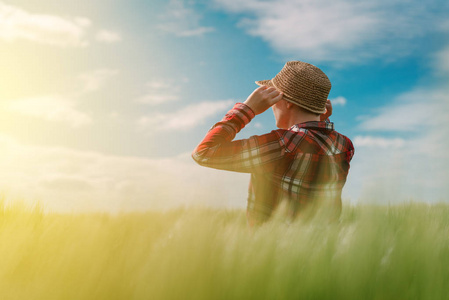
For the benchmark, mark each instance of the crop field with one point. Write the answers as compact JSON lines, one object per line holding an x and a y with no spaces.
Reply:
{"x":374,"y":252}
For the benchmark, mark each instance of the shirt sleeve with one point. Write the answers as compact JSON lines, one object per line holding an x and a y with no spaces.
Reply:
{"x":257,"y":153}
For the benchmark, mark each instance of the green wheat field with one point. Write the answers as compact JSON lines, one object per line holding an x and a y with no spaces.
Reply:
{"x":374,"y":252}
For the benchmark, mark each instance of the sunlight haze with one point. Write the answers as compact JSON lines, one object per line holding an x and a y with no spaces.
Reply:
{"x":102,"y":103}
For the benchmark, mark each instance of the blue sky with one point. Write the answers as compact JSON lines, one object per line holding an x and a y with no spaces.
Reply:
{"x":105,"y":102}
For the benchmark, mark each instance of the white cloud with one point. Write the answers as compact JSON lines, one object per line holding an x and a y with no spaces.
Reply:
{"x":182,"y":21}
{"x":339,"y":101}
{"x":393,"y":170}
{"x":411,"y":111}
{"x":193,"y":32}
{"x":370,"y":141}
{"x":185,"y":118}
{"x":108,"y":36}
{"x":410,"y":162}
{"x":50,"y":108}
{"x":67,"y":180}
{"x":159,"y":84}
{"x":258,"y":125}
{"x":336,"y":30}
{"x":94,"y":80}
{"x":442,"y":61}
{"x":156,"y":99}
{"x":159,"y":92}
{"x":17,"y":24}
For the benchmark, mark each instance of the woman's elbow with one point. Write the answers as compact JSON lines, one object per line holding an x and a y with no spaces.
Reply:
{"x":198,"y":157}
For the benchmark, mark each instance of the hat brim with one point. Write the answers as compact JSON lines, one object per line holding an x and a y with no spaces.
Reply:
{"x":264,"y":82}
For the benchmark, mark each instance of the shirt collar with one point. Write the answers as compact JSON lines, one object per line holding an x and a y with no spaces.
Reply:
{"x":313,"y":125}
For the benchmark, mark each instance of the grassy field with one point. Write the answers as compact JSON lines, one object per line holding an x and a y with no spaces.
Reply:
{"x":375,"y":252}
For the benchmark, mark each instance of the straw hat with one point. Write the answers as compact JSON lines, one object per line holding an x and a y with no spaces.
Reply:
{"x":302,"y":84}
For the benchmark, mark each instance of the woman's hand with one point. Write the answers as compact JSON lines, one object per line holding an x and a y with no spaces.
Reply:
{"x":328,"y":112}
{"x":263,"y":98}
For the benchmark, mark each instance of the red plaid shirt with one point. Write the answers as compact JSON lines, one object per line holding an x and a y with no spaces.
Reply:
{"x":308,"y":163}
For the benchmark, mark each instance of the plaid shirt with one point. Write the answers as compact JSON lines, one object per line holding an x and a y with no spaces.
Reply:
{"x":306,"y":164}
